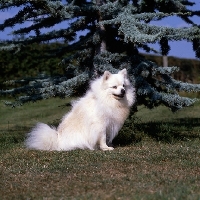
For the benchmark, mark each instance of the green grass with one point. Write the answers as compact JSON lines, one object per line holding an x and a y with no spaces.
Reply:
{"x":156,"y":158}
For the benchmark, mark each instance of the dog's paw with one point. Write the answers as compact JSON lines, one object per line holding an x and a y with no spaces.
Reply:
{"x":107,"y":148}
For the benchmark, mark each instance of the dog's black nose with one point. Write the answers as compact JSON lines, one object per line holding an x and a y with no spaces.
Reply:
{"x":122,"y":91}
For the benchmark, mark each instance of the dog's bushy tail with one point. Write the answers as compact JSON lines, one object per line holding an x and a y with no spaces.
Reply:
{"x":42,"y":137}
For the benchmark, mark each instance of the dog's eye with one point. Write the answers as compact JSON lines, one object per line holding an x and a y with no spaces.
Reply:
{"x":123,"y":85}
{"x":114,"y":87}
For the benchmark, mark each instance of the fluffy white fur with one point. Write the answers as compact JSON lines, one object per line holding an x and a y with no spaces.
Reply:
{"x":94,"y":120}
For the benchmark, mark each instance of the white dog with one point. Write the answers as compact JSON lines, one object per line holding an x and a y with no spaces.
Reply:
{"x":94,"y":120}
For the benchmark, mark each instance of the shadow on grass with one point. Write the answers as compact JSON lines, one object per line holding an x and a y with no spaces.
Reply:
{"x":11,"y":137}
{"x":181,"y":129}
{"x":133,"y":131}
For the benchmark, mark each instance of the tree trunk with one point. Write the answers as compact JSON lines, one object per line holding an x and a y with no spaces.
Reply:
{"x":102,"y":46}
{"x":165,"y":61}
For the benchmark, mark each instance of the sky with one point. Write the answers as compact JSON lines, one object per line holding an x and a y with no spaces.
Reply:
{"x":182,"y":49}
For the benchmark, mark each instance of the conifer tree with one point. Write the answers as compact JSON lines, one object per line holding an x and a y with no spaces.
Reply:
{"x":115,"y":31}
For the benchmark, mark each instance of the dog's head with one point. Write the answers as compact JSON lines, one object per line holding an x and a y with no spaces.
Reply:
{"x":116,"y":83}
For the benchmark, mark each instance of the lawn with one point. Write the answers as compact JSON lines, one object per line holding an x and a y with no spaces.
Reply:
{"x":156,"y":158}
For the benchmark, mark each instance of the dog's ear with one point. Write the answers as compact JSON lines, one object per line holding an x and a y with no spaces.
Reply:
{"x":106,"y":75}
{"x":123,"y":72}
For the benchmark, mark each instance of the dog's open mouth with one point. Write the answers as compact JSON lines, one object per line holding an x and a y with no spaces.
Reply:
{"x":119,"y":95}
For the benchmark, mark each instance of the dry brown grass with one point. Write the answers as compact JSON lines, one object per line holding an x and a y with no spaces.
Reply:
{"x":149,"y":170}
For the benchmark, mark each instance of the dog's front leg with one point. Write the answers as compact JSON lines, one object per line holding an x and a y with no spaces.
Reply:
{"x":102,"y":143}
